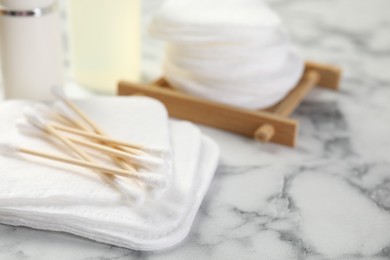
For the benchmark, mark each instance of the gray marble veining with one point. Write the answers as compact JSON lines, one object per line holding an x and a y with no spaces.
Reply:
{"x":329,"y":198}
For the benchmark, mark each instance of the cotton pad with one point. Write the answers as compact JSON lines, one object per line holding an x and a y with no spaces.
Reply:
{"x":229,"y":98}
{"x":213,"y":65}
{"x":233,"y":52}
{"x":148,"y":126}
{"x":173,"y":228}
{"x":206,"y":14}
{"x":238,"y":90}
{"x":156,"y":224}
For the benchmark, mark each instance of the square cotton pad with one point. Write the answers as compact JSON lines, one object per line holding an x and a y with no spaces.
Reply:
{"x":156,"y":224}
{"x":140,"y":120}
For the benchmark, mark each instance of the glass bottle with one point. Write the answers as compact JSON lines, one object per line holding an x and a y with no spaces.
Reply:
{"x":105,"y":42}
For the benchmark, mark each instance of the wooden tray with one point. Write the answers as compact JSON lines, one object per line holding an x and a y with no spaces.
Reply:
{"x":271,"y":124}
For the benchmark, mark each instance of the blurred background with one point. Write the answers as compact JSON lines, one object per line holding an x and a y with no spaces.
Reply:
{"x":351,"y":34}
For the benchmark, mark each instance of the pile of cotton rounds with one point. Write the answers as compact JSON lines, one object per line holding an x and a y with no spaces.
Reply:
{"x":235,"y":52}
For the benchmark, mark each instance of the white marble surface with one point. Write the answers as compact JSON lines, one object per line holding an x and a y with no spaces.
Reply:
{"x":329,"y":198}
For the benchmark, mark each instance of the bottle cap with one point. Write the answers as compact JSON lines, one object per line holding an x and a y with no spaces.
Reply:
{"x":34,"y":8}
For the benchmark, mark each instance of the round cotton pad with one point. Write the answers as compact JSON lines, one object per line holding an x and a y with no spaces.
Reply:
{"x":235,"y":52}
{"x":203,"y":13}
{"x":246,"y":92}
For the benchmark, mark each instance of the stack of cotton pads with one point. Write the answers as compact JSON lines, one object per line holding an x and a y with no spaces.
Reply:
{"x":43,"y":194}
{"x":231,"y":51}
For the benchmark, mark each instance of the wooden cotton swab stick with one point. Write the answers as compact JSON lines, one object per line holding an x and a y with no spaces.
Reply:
{"x":41,"y":123}
{"x":32,"y":130}
{"x":152,"y":163}
{"x":59,"y":93}
{"x":128,"y":191}
{"x":150,"y":179}
{"x":45,"y":111}
{"x":133,"y":195}
{"x":134,"y":148}
{"x":60,"y":110}
{"x":63,"y":112}
{"x":107,"y":139}
{"x":6,"y":148}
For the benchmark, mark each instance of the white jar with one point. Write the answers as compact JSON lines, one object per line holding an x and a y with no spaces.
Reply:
{"x":31,"y":49}
{"x":105,"y":39}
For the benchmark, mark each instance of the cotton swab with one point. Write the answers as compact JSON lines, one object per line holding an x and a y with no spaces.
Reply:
{"x":106,"y":139}
{"x":46,"y":112}
{"x":59,"y":93}
{"x":10,"y":149}
{"x":149,"y":178}
{"x":38,"y":121}
{"x":132,"y":194}
{"x":126,"y":190}
{"x":61,"y":110}
{"x":65,"y":113}
{"x":149,"y":162}
{"x":26,"y":128}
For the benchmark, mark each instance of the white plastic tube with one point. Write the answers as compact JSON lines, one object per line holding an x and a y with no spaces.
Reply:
{"x":31,"y":49}
{"x":105,"y":42}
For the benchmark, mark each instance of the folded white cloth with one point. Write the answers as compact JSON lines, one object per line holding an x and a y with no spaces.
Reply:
{"x":235,"y":52}
{"x":148,"y":128}
{"x":99,"y":213}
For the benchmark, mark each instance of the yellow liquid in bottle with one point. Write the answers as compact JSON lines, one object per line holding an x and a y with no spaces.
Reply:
{"x":105,"y":42}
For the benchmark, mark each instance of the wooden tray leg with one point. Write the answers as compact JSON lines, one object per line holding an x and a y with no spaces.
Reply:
{"x":329,"y":75}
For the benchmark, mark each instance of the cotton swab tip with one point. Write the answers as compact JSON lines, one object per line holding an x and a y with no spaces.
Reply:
{"x":151,"y":163}
{"x":6,"y":148}
{"x":33,"y":117}
{"x":25,"y":128}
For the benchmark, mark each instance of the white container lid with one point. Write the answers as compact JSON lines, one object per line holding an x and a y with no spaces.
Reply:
{"x":25,"y":4}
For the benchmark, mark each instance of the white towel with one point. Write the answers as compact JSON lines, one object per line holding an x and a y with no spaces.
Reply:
{"x":154,"y":225}
{"x":139,"y":119}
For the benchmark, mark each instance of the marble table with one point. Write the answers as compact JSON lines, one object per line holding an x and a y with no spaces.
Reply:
{"x":329,"y":198}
